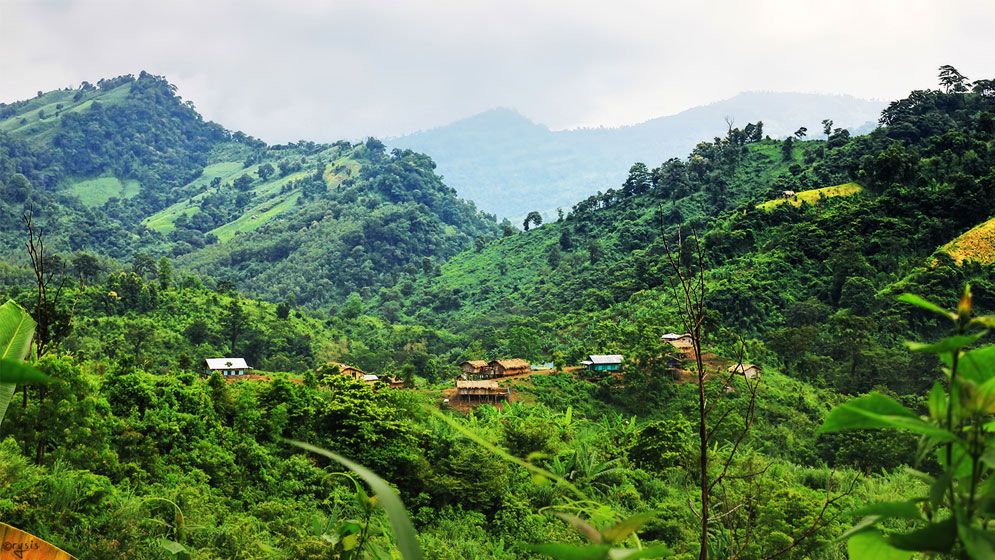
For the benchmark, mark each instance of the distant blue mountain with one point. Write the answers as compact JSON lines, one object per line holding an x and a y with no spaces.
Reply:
{"x":510,"y":165}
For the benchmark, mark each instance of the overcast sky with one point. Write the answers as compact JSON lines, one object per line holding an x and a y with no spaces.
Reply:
{"x":322,"y":70}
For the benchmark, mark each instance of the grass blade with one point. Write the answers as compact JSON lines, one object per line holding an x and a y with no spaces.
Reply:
{"x":404,"y":530}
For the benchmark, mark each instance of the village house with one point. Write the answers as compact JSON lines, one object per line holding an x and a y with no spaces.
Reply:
{"x":679,"y":341}
{"x":750,"y":371}
{"x":347,"y":370}
{"x":484,"y":390}
{"x":475,"y":369}
{"x":603,"y":363}
{"x":351,"y":371}
{"x":514,"y":366}
{"x":227,"y":366}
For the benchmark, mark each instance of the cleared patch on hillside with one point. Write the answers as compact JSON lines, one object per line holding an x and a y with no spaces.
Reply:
{"x":270,"y":198}
{"x":164,"y":221}
{"x":976,"y":244}
{"x":257,"y":216}
{"x":340,"y":170}
{"x":96,"y":192}
{"x":813,"y":196}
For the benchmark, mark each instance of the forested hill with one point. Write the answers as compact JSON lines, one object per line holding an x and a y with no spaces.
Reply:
{"x":811,"y":279}
{"x":510,"y":165}
{"x":126,"y":167}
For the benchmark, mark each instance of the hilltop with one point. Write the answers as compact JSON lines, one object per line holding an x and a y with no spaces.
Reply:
{"x":510,"y":165}
{"x":126,"y":167}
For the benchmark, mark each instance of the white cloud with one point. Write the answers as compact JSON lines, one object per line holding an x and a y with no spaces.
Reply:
{"x":284,"y":70}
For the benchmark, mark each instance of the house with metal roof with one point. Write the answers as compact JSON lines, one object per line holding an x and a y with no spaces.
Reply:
{"x":603,"y":363}
{"x":227,"y":366}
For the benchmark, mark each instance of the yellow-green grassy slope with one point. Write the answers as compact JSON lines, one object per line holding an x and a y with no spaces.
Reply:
{"x":813,"y":196}
{"x":977,"y":245}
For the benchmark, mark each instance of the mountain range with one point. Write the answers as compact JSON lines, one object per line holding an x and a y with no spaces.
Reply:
{"x":510,"y":165}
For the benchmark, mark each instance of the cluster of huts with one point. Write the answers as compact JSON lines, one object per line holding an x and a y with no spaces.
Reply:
{"x":477,"y":379}
{"x":234,"y":367}
{"x":685,"y":344}
{"x":368,"y":378}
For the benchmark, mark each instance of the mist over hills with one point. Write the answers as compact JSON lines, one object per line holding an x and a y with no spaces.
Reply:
{"x":509,"y":164}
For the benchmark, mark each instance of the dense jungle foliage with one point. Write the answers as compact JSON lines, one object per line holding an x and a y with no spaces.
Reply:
{"x":133,"y":453}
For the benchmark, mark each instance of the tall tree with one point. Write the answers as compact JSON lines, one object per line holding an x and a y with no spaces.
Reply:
{"x":87,"y":267}
{"x":165,"y":273}
{"x":533,"y":217}
{"x":827,"y":127}
{"x":951,"y":80}
{"x":234,"y":323}
{"x":788,"y":149}
{"x":265,"y":171}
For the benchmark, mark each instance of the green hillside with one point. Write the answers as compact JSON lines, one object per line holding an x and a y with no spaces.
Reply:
{"x":778,"y":274}
{"x":125,"y":167}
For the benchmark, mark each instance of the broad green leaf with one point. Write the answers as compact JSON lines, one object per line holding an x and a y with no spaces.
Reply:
{"x":923,"y":303}
{"x":937,"y":402}
{"x":960,"y":461}
{"x":17,"y":328}
{"x":860,"y":527}
{"x":935,"y":537}
{"x":977,"y":365}
{"x":870,"y":545}
{"x":175,"y":549}
{"x":988,"y":457}
{"x":979,"y":544}
{"x":938,"y":490}
{"x":945,"y":345}
{"x":572,"y":551}
{"x":875,"y":410}
{"x":21,"y":373}
{"x":621,"y":531}
{"x":404,"y":531}
{"x":895,"y":510}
